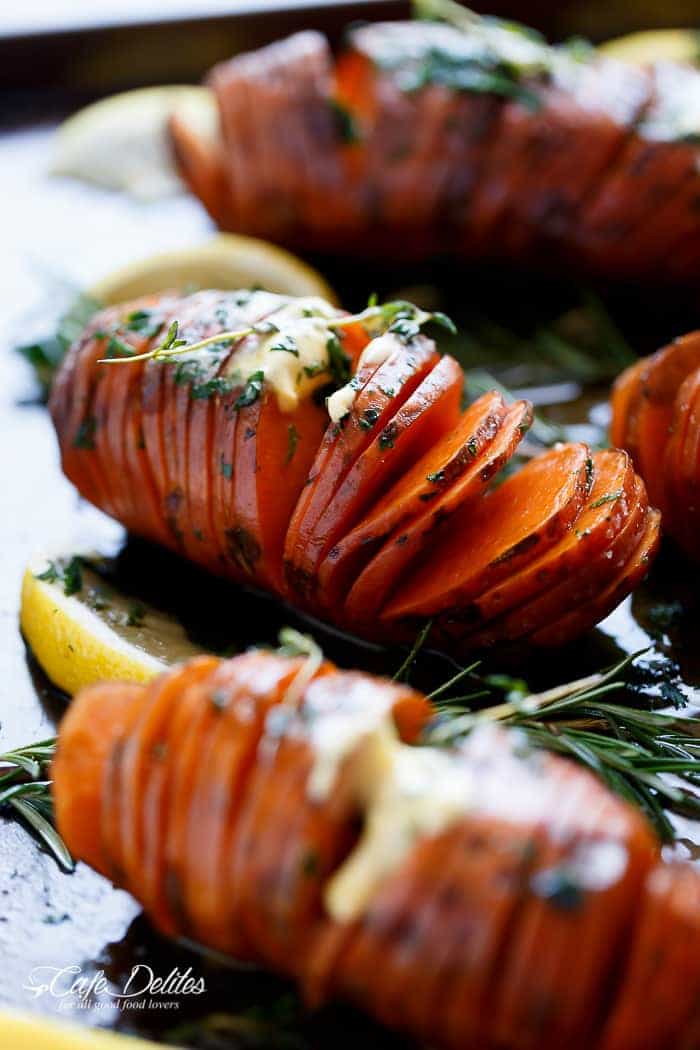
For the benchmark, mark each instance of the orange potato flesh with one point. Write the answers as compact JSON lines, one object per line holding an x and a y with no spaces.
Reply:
{"x":579,"y":586}
{"x":598,"y":524}
{"x":88,"y":733}
{"x":596,"y":609}
{"x":410,"y":539}
{"x":510,"y":526}
{"x":448,"y":459}
{"x":429,"y":414}
{"x":540,"y":918}
{"x":662,"y":969}
{"x":382,"y":393}
{"x":330,"y":517}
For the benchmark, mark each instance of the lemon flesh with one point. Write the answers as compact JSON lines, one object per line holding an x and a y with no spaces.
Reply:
{"x":227,"y":262}
{"x":95,"y":634}
{"x":655,"y":45}
{"x":122,"y":141}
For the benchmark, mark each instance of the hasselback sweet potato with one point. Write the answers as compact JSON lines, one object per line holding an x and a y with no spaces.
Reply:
{"x":476,"y":896}
{"x":656,"y":417}
{"x":375,"y":510}
{"x":481,"y":141}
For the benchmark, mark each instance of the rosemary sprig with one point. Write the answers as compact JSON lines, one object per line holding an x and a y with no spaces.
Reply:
{"x":25,"y":791}
{"x":629,"y":747}
{"x":404,"y":671}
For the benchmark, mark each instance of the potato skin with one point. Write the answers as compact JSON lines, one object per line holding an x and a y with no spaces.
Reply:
{"x":596,"y":173}
{"x":546,"y":898}
{"x":655,"y":408}
{"x":359,"y":521}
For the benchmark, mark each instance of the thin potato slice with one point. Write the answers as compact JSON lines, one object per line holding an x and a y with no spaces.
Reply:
{"x":596,"y":609}
{"x":662,"y":970}
{"x":448,"y":459}
{"x":88,"y":735}
{"x":601,"y":520}
{"x":381,"y":393}
{"x":509,"y":527}
{"x":410,"y":539}
{"x":429,"y":415}
{"x":578,"y":587}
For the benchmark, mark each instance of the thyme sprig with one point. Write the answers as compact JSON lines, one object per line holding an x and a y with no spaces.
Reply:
{"x":26,"y":790}
{"x":294,"y":643}
{"x":401,"y":317}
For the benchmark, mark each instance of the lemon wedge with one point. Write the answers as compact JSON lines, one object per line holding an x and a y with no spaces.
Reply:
{"x":122,"y":141}
{"x":655,"y":45}
{"x":227,"y":261}
{"x":82,"y":631}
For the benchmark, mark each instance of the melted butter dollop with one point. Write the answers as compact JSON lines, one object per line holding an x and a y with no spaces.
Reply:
{"x":293,"y":359}
{"x":406,"y":793}
{"x":375,"y":353}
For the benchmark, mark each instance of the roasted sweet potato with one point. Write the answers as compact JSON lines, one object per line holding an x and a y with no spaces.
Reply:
{"x":449,"y":459}
{"x":656,"y":417}
{"x":528,"y":919}
{"x":513,"y":524}
{"x":408,"y":541}
{"x":598,"y":606}
{"x":429,"y":414}
{"x":380,"y":395}
{"x":423,"y":139}
{"x":610,"y":503}
{"x":253,"y":480}
{"x":661,"y":966}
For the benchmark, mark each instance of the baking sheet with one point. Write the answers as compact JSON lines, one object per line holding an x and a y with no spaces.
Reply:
{"x":58,"y":235}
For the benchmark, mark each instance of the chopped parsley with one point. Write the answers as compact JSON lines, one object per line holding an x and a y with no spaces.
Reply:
{"x":144,"y":321}
{"x":203,"y":391}
{"x":116,"y":347}
{"x":70,"y":575}
{"x":314,"y":370}
{"x":345,"y":124}
{"x":338,"y":360}
{"x":45,"y":355}
{"x":368,"y":418}
{"x":482,"y":75}
{"x":286,"y":344}
{"x":292,"y":441}
{"x":251,"y":391}
{"x":590,"y":471}
{"x":388,"y":436}
{"x":609,"y":498}
{"x":85,"y":434}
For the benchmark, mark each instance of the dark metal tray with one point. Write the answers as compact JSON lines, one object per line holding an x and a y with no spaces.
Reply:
{"x":48,"y":919}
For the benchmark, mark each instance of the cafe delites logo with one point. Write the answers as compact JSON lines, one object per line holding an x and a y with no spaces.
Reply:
{"x":143,"y":989}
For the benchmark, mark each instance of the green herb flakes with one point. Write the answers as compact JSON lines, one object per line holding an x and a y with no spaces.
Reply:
{"x":368,"y":418}
{"x":610,"y":497}
{"x":85,"y":434}
{"x":69,"y":574}
{"x":251,"y":391}
{"x":292,"y":441}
